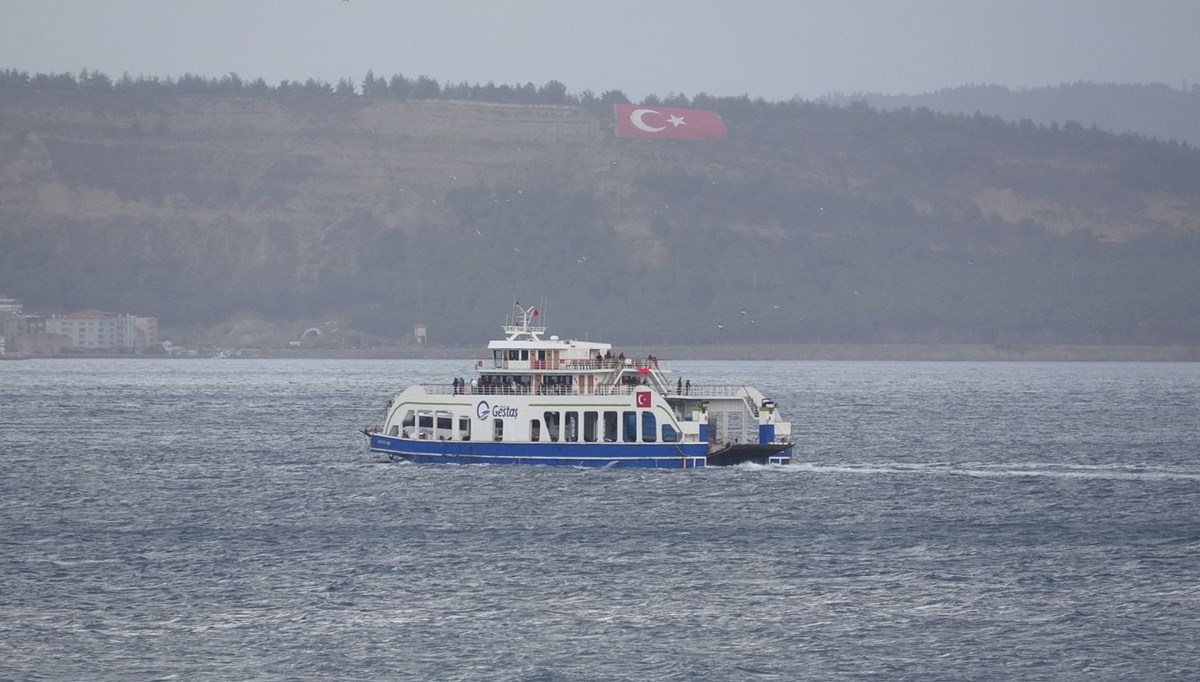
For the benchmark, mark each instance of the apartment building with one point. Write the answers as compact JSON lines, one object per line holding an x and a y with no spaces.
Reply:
{"x":98,"y":330}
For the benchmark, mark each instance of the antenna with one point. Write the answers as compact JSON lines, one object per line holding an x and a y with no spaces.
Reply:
{"x":523,"y":322}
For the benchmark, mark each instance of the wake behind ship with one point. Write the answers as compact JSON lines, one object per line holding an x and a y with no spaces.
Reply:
{"x":573,"y":403}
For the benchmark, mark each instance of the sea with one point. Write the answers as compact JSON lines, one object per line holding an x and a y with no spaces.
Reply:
{"x":223,"y":519}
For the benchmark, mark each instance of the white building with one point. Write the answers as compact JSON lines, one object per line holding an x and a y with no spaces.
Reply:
{"x":98,"y":330}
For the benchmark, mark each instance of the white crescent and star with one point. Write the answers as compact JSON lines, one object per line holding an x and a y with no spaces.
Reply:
{"x":635,"y":117}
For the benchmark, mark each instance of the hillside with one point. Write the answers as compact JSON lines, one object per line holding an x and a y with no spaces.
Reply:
{"x":1154,"y":110}
{"x":824,"y":224}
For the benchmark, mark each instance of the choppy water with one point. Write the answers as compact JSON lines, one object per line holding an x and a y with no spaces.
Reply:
{"x":222,"y":519}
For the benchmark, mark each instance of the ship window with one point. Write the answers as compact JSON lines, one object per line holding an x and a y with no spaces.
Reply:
{"x":670,"y":435}
{"x":395,"y":430}
{"x":445,"y":425}
{"x":409,"y":418}
{"x":572,"y":420}
{"x":535,"y":430}
{"x":610,"y":427}
{"x":464,"y":428}
{"x":552,"y":422}
{"x":629,"y":430}
{"x":649,"y":427}
{"x":498,"y":429}
{"x":524,"y":355}
{"x":589,"y":426}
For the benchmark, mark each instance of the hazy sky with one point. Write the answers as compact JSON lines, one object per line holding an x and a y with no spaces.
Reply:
{"x":771,"y":48}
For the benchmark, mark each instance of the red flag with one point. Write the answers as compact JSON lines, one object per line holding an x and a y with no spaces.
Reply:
{"x":634,"y":120}
{"x":534,"y":313}
{"x":643,"y":398}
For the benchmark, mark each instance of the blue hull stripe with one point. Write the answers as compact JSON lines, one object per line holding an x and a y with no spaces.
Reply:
{"x":656,"y":455}
{"x":588,"y":462}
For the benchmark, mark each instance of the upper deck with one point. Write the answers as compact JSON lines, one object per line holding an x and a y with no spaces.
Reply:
{"x":698,"y":392}
{"x":558,"y":365}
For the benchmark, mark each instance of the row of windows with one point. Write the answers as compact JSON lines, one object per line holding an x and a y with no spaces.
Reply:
{"x":422,"y":426}
{"x":610,"y":426}
{"x":566,"y":425}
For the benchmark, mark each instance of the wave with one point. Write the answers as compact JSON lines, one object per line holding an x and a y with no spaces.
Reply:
{"x":1115,"y":472}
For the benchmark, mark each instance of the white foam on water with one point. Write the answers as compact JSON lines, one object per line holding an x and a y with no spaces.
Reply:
{"x":1115,"y":472}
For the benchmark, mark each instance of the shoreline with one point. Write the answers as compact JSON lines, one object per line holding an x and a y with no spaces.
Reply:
{"x":766,"y":352}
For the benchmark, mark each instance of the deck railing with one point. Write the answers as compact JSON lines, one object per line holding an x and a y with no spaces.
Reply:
{"x":710,"y":390}
{"x":573,"y":365}
{"x":699,"y":391}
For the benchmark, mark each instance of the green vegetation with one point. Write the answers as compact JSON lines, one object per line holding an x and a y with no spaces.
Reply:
{"x":1154,"y":110}
{"x":196,"y":200}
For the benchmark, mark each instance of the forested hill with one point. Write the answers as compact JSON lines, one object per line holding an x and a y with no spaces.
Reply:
{"x":810,"y":223}
{"x":1154,"y":110}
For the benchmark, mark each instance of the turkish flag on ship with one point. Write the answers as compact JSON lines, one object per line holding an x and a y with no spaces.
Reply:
{"x":634,"y":120}
{"x":643,"y":398}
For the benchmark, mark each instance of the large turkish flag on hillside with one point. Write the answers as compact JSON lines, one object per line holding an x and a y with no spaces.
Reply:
{"x":634,"y":120}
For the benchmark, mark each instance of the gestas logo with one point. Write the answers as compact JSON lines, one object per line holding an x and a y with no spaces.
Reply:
{"x":483,"y":410}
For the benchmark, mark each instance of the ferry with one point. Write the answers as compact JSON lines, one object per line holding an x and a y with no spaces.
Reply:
{"x":543,"y":400}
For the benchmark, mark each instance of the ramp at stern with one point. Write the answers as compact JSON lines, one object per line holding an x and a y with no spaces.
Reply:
{"x":753,"y":453}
